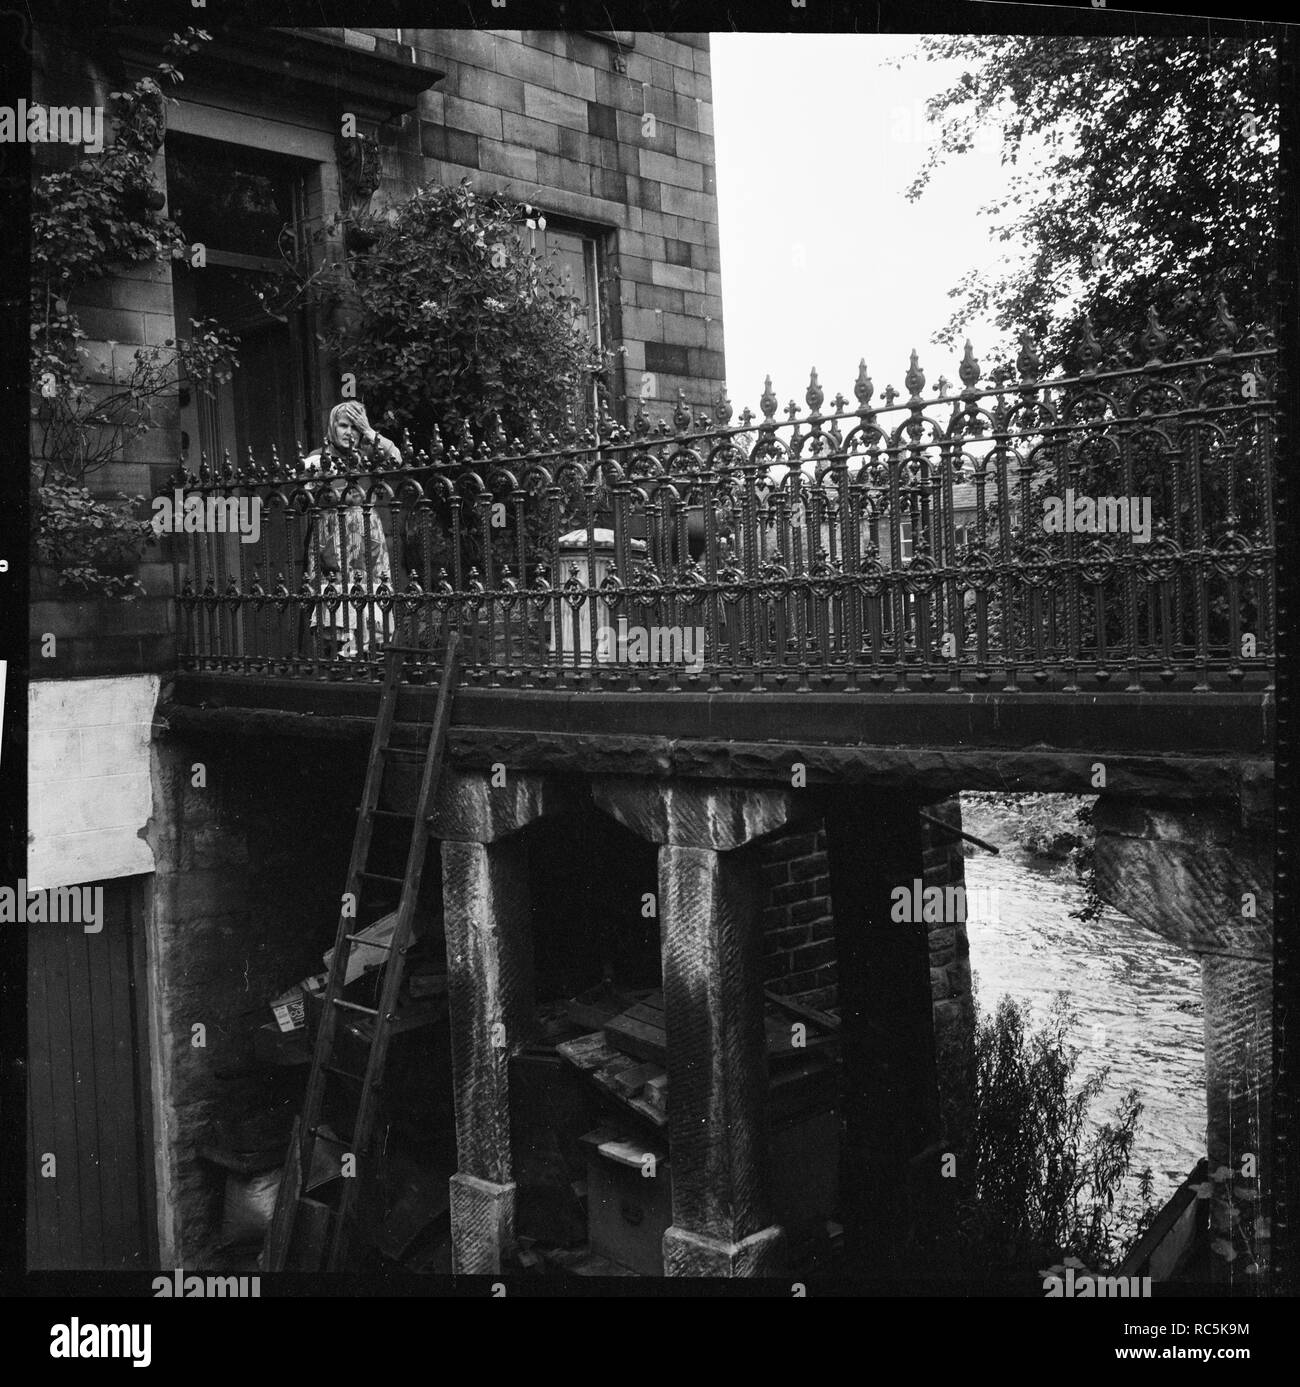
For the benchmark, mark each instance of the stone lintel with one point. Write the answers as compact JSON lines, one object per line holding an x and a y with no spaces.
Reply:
{"x":936,"y":770}
{"x":482,"y":1223}
{"x":468,"y":808}
{"x":719,"y":817}
{"x":693,"y":1254}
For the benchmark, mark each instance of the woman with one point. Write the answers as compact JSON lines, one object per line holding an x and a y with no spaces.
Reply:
{"x":346,"y":544}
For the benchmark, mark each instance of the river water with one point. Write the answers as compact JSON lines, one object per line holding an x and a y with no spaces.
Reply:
{"x":1138,"y":998}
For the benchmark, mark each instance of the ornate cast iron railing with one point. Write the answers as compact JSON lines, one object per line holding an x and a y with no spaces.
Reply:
{"x":922,"y":542}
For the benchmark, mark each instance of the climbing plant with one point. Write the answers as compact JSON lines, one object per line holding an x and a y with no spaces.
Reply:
{"x":88,"y":221}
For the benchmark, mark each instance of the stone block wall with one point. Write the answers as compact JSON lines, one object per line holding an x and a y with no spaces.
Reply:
{"x":245,"y":899}
{"x":624,"y":156}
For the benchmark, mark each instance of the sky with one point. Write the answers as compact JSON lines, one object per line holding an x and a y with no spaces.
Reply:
{"x":824,"y":260}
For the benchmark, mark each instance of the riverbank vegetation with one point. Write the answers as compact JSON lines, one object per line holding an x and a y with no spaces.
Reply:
{"x":1039,"y":1180}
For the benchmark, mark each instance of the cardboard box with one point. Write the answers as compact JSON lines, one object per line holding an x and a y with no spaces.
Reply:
{"x":290,"y":1008}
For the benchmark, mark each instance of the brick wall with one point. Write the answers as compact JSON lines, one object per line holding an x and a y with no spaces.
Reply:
{"x":798,"y":927}
{"x":545,"y":115}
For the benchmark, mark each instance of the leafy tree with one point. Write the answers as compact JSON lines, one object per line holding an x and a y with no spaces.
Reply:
{"x":1156,"y":185}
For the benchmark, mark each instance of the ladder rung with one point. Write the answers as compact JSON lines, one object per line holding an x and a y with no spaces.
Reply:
{"x":416,"y":752}
{"x":343,"y":1073}
{"x":389,"y":813}
{"x":369,"y":943}
{"x":355,"y":1006}
{"x":379,"y":876}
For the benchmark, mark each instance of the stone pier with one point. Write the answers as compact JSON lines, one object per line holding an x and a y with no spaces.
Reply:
{"x":710,"y":921}
{"x":1203,"y":878}
{"x":487,"y":918}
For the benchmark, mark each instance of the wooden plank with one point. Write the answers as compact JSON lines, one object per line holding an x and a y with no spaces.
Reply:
{"x":591,"y":1009}
{"x":608,"y":1075}
{"x":800,"y":1012}
{"x":658,"y":1116}
{"x":103,"y":955}
{"x":637,"y":1038}
{"x":616,"y":1145}
{"x":85,"y":1059}
{"x":587,"y":1052}
{"x":63,"y":1135}
{"x":44,"y":1231}
{"x":632,"y":1080}
{"x":652,"y":1017}
{"x":131,"y":1141}
{"x":141,"y":1029}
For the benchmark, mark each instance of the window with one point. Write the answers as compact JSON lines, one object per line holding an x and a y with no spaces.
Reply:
{"x":574,"y":256}
{"x":905,"y":541}
{"x":246,"y":208}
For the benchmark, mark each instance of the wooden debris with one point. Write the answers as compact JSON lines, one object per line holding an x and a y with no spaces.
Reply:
{"x":588,"y":1051}
{"x":800,"y":1012}
{"x":655,"y":1094}
{"x":640,"y":1035}
{"x":591,"y":1009}
{"x":631,"y":1081}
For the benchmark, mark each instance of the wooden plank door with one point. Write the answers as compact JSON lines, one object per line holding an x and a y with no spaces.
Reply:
{"x":87,"y":1095}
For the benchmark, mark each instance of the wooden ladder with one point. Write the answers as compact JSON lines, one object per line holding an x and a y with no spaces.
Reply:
{"x":307,"y":1234}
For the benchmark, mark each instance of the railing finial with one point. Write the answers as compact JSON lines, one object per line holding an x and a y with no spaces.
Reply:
{"x":1028,"y":361}
{"x":1153,"y":339}
{"x":1089,"y":351}
{"x":863,"y":389}
{"x":814,"y":395}
{"x":767,"y":401}
{"x":1223,"y":329}
{"x":915,"y":377}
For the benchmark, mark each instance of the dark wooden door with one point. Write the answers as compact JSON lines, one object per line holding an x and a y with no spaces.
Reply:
{"x":88,"y":1099}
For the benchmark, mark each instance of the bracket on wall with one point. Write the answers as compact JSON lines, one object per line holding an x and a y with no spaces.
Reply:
{"x":359,"y":166}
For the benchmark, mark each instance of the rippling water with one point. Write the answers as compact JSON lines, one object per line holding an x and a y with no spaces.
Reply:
{"x":1138,"y":997}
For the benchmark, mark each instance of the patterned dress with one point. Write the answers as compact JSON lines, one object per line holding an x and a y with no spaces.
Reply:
{"x":347,"y":546}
